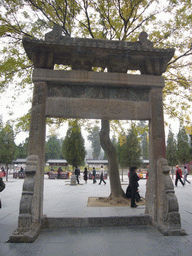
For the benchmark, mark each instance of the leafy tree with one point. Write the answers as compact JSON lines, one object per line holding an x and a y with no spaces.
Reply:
{"x":95,"y":141}
{"x":171,"y":150}
{"x":73,"y":145}
{"x":22,"y":149}
{"x":132,"y":148}
{"x":8,"y":147}
{"x":168,"y":24}
{"x":53,"y":148}
{"x":183,"y":146}
{"x":121,"y":148}
{"x":143,"y":133}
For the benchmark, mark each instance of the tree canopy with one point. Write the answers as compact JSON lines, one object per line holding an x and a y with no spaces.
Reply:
{"x":73,"y":145}
{"x":168,"y":24}
{"x":183,"y":152}
{"x":93,"y":136}
{"x":53,"y":148}
{"x":7,"y":146}
{"x":132,"y":148}
{"x":171,"y":149}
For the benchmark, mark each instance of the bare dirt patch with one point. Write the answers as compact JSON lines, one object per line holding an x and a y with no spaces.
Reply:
{"x":108,"y":202}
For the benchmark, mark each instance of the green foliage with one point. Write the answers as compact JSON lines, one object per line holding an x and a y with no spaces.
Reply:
{"x":8,"y":147}
{"x":183,"y":146}
{"x":73,"y":145}
{"x":142,"y":129}
{"x":171,"y":150}
{"x":23,"y":123}
{"x":95,"y":141}
{"x":121,"y":150}
{"x":168,"y":24}
{"x":53,"y":148}
{"x":129,"y":152}
{"x":22,"y":149}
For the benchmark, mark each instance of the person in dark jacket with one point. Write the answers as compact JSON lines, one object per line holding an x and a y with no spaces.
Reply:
{"x":94,"y":175}
{"x":133,"y":185}
{"x":85,"y":175}
{"x":137,"y":196}
{"x":77,"y":173}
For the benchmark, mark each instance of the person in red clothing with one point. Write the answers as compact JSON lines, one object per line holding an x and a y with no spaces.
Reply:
{"x":178,"y":173}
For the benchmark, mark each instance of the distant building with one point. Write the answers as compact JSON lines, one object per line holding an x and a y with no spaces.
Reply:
{"x":96,"y":163}
{"x":57,"y":162}
{"x":18,"y":163}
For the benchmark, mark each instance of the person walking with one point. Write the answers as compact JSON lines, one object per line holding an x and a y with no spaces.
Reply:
{"x":133,"y":177}
{"x":94,"y":175}
{"x":59,"y":173}
{"x":185,"y":173}
{"x":77,"y":173}
{"x":2,"y":187}
{"x":85,"y":175}
{"x":178,"y":173}
{"x":102,"y":176}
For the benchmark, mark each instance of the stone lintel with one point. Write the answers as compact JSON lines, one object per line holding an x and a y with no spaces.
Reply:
{"x":96,"y":78}
{"x":97,"y":109}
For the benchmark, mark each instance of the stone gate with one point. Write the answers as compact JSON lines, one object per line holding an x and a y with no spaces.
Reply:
{"x":82,"y":93}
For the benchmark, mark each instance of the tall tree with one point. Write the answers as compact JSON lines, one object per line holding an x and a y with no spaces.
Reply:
{"x":183,"y":153}
{"x":53,"y":148}
{"x":73,"y":145}
{"x":95,"y":141}
{"x":132,"y":148}
{"x":121,"y":149}
{"x":116,"y":191}
{"x":171,"y":150}
{"x":143,"y":133}
{"x":22,"y":149}
{"x":8,"y":147}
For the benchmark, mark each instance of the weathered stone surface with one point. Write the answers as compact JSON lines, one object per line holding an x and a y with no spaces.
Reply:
{"x":84,"y":54}
{"x":83,"y":94}
{"x":156,"y":147}
{"x":31,"y":204}
{"x":58,"y":77}
{"x":83,"y":108}
{"x":96,"y":221}
{"x":167,"y":211}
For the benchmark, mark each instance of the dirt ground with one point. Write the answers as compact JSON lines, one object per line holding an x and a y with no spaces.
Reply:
{"x":107,"y":202}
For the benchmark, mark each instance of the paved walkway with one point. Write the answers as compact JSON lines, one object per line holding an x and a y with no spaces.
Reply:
{"x":63,"y":200}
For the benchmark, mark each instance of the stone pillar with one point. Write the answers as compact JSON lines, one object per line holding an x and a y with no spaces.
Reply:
{"x":31,"y":204}
{"x":156,"y":148}
{"x":161,"y":202}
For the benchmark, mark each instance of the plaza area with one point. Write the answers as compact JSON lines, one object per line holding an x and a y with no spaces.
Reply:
{"x":63,"y":200}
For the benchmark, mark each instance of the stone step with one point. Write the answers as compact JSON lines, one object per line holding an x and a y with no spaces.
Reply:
{"x":53,"y":222}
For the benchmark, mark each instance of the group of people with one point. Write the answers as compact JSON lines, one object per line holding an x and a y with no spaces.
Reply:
{"x":85,"y":175}
{"x":179,"y":176}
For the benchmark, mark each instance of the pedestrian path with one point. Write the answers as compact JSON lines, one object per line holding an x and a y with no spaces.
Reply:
{"x":63,"y":200}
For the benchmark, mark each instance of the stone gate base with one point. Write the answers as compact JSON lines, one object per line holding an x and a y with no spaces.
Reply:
{"x":25,"y":237}
{"x":89,"y":222}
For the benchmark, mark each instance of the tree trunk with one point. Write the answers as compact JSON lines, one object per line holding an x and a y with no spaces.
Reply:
{"x":116,"y":190}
